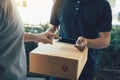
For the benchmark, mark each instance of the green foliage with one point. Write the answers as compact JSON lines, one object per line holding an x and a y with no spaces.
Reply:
{"x":110,"y":57}
{"x":30,"y":28}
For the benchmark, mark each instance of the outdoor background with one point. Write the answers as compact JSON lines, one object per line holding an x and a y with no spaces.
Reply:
{"x":35,"y":15}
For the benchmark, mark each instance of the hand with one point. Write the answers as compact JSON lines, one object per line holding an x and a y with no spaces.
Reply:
{"x":45,"y":37}
{"x":81,"y":43}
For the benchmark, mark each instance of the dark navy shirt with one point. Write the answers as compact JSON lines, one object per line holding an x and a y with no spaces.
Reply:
{"x":82,"y":18}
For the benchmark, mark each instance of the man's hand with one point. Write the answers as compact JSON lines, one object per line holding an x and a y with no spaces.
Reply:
{"x":81,"y":43}
{"x":45,"y":37}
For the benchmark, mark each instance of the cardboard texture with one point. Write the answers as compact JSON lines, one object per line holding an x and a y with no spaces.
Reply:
{"x":59,"y":60}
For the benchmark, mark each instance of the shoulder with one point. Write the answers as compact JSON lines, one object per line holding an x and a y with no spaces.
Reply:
{"x":101,"y":2}
{"x":57,"y":3}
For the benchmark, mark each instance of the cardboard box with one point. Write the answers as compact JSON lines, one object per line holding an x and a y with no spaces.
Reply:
{"x":59,"y":60}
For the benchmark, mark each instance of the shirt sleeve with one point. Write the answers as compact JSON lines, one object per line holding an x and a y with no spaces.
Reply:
{"x":54,"y":15}
{"x":105,"y":22}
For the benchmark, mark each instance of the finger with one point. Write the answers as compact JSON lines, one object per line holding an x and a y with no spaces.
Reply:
{"x":48,"y":41}
{"x":80,"y":47}
{"x":56,"y":37}
{"x":80,"y":40}
{"x":52,"y":35}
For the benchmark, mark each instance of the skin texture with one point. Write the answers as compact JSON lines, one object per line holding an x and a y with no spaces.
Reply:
{"x":102,"y":41}
{"x":45,"y":37}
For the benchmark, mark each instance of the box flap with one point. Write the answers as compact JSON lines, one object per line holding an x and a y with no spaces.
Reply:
{"x":58,"y":49}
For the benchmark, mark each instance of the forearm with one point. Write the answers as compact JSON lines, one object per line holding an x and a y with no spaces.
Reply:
{"x":28,"y":37}
{"x":102,"y":42}
{"x":98,"y":43}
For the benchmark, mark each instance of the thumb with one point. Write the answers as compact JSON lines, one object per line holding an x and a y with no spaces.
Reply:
{"x":53,"y":35}
{"x":48,"y":41}
{"x":56,"y":36}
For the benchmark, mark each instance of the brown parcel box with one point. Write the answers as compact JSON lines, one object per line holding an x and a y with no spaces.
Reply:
{"x":59,"y":60}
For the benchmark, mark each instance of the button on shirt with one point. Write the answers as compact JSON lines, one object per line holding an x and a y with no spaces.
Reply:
{"x":78,"y":4}
{"x":77,"y":8}
{"x":81,"y":18}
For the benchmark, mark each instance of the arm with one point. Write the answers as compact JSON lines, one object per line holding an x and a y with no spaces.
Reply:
{"x":45,"y":37}
{"x":104,"y":28}
{"x":53,"y":28}
{"x":28,"y":37}
{"x":102,"y":42}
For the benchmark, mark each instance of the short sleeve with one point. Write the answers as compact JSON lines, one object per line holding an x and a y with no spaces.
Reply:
{"x":54,"y":15}
{"x":105,"y":18}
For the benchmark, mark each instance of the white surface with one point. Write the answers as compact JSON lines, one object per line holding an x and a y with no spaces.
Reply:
{"x":36,"y":12}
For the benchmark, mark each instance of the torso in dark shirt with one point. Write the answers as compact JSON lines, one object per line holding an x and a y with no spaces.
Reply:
{"x":81,"y":18}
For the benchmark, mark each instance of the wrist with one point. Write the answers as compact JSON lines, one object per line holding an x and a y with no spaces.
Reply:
{"x":33,"y":37}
